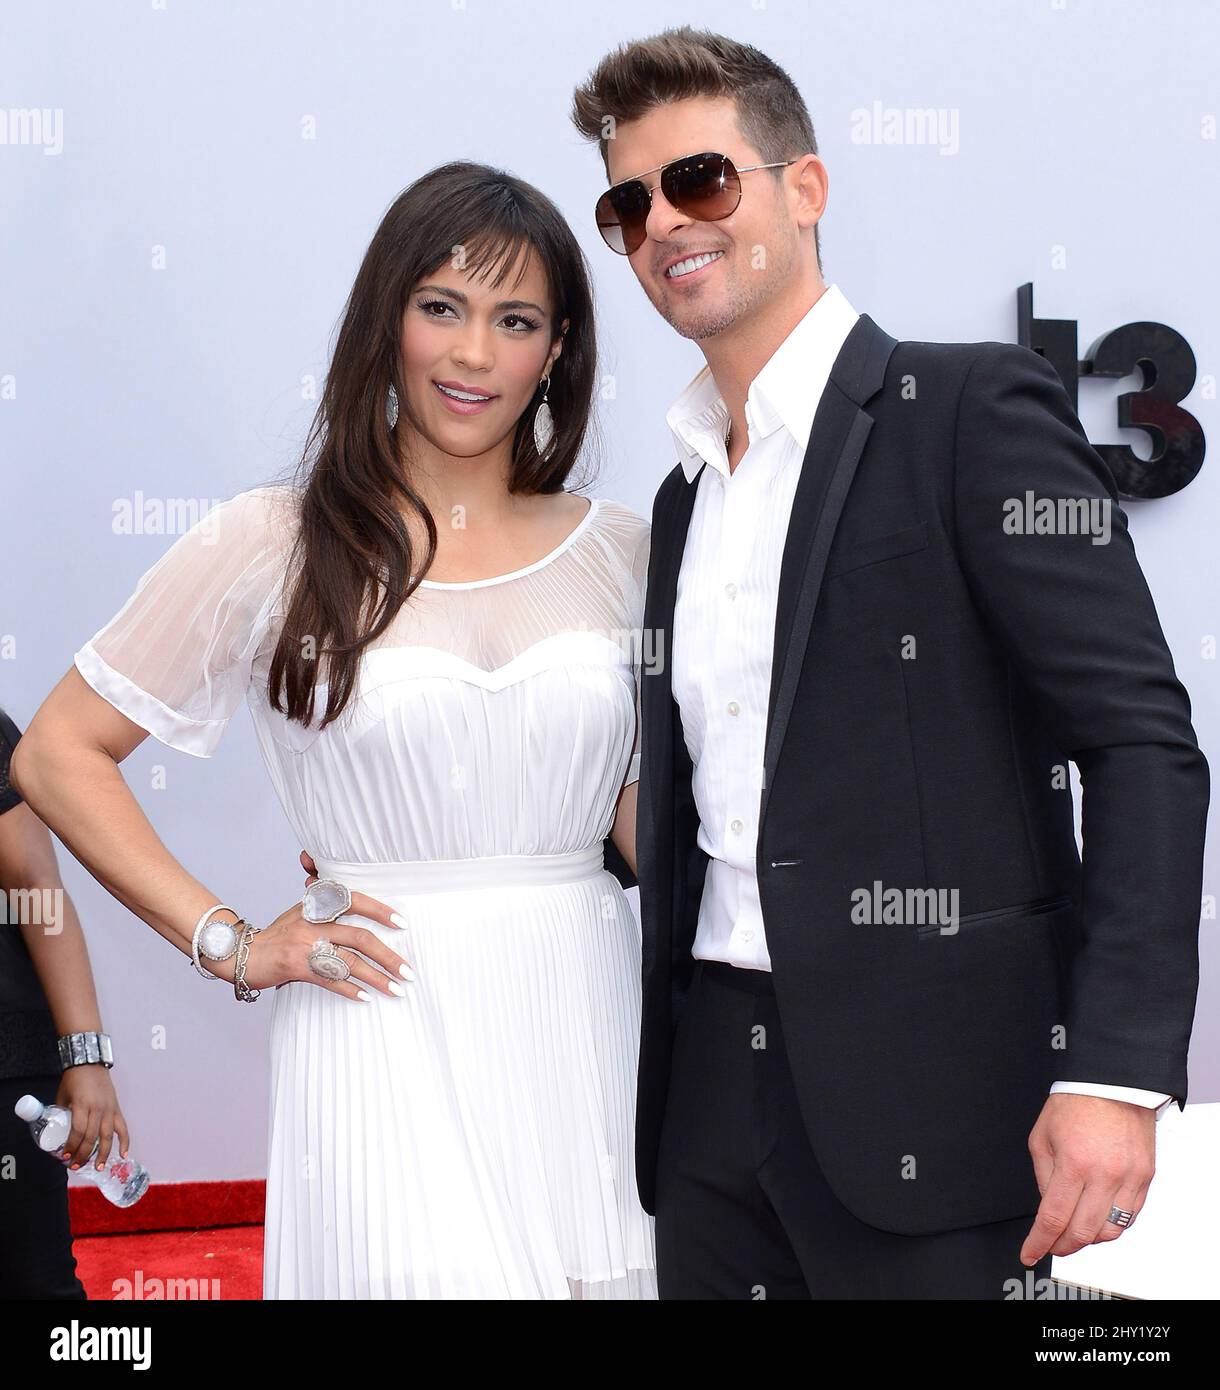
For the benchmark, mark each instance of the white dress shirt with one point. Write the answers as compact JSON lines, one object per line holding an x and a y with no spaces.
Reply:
{"x":724,"y":620}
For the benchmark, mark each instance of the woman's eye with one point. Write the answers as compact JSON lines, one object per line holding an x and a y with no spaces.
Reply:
{"x":516,"y":323}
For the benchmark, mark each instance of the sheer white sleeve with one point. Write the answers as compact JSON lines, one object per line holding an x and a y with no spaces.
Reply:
{"x":177,"y":656}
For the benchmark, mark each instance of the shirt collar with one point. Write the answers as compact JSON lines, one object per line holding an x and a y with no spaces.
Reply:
{"x":785,"y":392}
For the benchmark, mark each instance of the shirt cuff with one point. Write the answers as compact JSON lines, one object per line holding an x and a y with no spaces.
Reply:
{"x":1152,"y":1100}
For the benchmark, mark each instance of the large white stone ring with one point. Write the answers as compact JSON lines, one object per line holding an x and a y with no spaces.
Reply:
{"x":325,"y":899}
{"x":325,"y":960}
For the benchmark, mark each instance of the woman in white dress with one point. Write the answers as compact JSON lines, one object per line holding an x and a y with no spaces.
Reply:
{"x":439,"y":646}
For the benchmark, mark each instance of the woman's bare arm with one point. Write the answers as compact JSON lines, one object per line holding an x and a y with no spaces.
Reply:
{"x":52,"y":933}
{"x":622,"y":832}
{"x":48,"y":922}
{"x":65,"y":767}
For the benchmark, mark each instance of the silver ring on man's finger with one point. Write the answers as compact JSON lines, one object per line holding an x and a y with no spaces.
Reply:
{"x":325,"y":899}
{"x":325,"y":960}
{"x":1120,"y":1217}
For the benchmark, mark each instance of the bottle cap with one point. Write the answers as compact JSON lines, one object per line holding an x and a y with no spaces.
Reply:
{"x":29,"y":1107}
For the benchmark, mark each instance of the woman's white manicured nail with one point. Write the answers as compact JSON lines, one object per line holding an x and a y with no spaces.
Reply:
{"x":397,"y":920}
{"x":395,"y":988}
{"x":406,"y":972}
{"x":361,"y":994}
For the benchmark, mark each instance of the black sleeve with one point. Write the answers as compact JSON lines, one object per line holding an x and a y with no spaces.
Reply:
{"x":1079,"y":626}
{"x":9,"y":735}
{"x":618,"y":865}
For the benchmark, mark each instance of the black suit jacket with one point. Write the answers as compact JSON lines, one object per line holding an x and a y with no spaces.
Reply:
{"x":932,"y":677}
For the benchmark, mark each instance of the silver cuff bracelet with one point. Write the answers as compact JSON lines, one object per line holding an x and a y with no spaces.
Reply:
{"x":76,"y":1049}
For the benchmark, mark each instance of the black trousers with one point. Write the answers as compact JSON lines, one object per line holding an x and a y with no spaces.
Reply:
{"x":743,"y":1209}
{"x":36,"y":1259}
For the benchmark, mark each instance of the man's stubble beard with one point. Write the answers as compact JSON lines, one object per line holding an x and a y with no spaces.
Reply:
{"x":742,"y":298}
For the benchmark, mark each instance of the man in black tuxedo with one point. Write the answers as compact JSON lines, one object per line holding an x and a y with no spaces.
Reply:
{"x":899,"y":1039}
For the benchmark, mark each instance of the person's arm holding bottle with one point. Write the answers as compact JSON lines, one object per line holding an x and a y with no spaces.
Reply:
{"x":60,"y":957}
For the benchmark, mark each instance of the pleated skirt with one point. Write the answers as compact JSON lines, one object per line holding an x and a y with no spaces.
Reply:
{"x":474,"y":1139}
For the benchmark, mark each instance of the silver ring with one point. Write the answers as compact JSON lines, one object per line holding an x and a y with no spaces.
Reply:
{"x":325,"y":899}
{"x":325,"y":960}
{"x":1120,"y":1217}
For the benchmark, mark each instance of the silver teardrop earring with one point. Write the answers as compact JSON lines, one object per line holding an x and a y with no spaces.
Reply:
{"x":544,"y":421}
{"x":391,"y":407}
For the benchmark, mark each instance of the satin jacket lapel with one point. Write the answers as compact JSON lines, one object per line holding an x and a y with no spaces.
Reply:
{"x":655,"y":806}
{"x":836,"y":442}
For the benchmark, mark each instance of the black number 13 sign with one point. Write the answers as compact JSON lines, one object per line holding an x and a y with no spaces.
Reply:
{"x":1168,"y":366}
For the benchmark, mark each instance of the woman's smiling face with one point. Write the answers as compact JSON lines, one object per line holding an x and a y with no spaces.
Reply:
{"x":473,"y":354}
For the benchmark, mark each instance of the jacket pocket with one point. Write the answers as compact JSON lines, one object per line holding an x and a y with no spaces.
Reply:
{"x":997,"y":914}
{"x":877,"y":548}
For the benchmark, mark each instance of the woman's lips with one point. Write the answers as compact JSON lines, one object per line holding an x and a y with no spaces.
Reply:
{"x":463,"y":407}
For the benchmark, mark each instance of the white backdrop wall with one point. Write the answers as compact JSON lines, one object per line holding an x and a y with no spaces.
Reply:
{"x":179,"y":232}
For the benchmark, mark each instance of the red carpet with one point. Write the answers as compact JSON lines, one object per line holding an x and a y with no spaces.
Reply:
{"x":180,"y":1241}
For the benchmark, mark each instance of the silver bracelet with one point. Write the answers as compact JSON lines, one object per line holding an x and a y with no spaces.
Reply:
{"x":240,"y":988}
{"x":78,"y":1049}
{"x":213,"y":940}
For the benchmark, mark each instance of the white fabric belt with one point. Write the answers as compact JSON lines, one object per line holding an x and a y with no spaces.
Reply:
{"x":453,"y":875}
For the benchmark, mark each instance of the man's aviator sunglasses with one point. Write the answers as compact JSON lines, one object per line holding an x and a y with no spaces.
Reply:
{"x":706,"y":187}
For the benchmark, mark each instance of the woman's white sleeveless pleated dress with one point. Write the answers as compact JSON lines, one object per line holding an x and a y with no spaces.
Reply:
{"x":475,"y":1138}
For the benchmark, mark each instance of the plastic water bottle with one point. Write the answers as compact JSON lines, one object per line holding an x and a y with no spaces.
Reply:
{"x":123,"y":1181}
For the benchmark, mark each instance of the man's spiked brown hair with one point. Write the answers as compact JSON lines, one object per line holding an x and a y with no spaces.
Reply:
{"x":680,"y":63}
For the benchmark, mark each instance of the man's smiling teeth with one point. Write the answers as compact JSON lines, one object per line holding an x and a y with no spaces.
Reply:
{"x":460,"y":395}
{"x":692,"y":263}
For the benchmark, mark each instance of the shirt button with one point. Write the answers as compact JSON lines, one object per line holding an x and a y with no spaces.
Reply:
{"x":735,"y":827}
{"x":731,"y":590}
{"x":734,"y":707}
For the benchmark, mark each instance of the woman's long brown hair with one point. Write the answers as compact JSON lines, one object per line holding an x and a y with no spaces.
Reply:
{"x":353,"y":554}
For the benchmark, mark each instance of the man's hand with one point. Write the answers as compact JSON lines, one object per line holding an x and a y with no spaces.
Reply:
{"x":1090,"y":1154}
